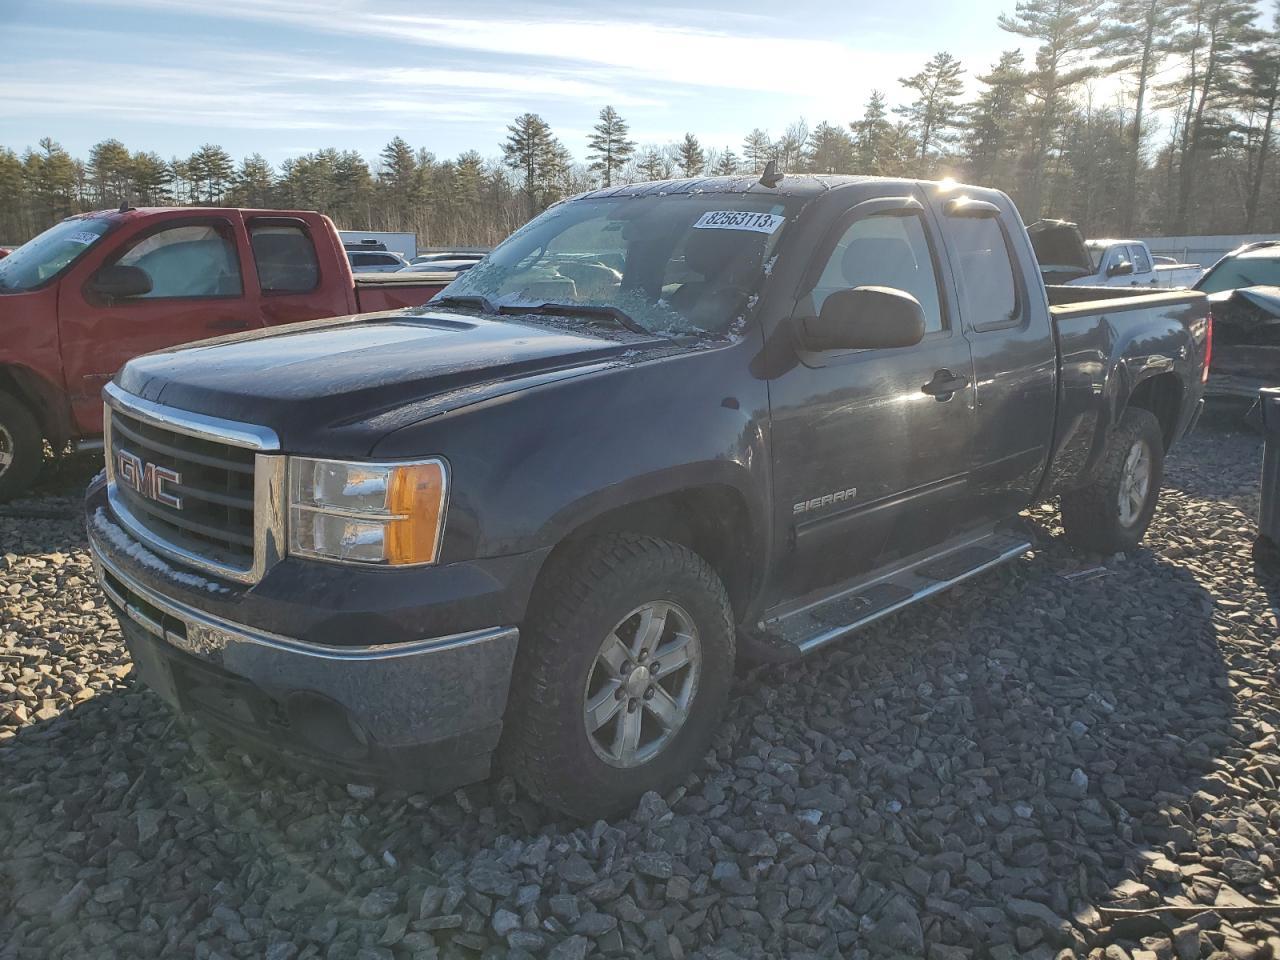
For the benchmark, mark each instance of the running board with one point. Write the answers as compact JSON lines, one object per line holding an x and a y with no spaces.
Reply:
{"x":817,"y":624}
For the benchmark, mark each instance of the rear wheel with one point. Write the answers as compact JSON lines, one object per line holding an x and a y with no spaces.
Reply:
{"x":623,"y":673}
{"x":21,"y":448}
{"x":1112,"y":514}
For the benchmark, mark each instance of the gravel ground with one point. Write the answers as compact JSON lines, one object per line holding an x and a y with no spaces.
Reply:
{"x":999,"y":773}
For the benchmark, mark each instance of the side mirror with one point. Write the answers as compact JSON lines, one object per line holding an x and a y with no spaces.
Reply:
{"x":865,"y":318}
{"x":119,"y":282}
{"x":1122,"y":269}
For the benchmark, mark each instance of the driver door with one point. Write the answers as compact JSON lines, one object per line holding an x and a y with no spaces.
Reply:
{"x":197,"y":292}
{"x":870,"y":459}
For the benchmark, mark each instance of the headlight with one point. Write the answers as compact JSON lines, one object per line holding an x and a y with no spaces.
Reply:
{"x":382,"y":513}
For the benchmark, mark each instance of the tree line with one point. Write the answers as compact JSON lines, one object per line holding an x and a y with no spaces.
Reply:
{"x":1208,"y":69}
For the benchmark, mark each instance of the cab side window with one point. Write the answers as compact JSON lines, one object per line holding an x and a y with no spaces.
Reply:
{"x":284,"y":256}
{"x":1118,"y":255}
{"x":984,"y":273}
{"x":1141,"y":262}
{"x":187,"y":262}
{"x":884,"y":251}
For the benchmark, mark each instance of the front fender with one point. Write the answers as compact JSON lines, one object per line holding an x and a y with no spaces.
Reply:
{"x":529,"y":467}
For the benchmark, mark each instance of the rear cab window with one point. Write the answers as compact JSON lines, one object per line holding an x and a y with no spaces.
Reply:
{"x":284,"y":256}
{"x":990,"y":293}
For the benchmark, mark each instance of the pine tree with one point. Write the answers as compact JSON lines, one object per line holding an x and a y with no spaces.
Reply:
{"x":1135,"y":36}
{"x":758,"y":149}
{"x":608,"y":148}
{"x":1215,"y":34}
{"x":829,"y":150}
{"x":537,"y":156}
{"x":1259,"y":94}
{"x":398,"y":173}
{"x":935,"y":112}
{"x":151,"y":179}
{"x":110,"y":172}
{"x":692,"y":158}
{"x":996,"y":121}
{"x":652,"y":165}
{"x":211,"y":171}
{"x":789,"y":150}
{"x":255,"y":181}
{"x":872,"y":136}
{"x":353,"y":188}
{"x":727,"y":165}
{"x":13,"y":197}
{"x":1068,"y":31}
{"x":50,"y":176}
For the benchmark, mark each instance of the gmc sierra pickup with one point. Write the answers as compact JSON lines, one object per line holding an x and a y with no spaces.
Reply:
{"x":90,"y":292}
{"x":662,"y":427}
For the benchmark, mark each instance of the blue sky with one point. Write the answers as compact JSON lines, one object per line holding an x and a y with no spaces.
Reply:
{"x":283,"y":77}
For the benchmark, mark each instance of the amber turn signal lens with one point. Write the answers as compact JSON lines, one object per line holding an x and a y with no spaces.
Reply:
{"x":416,"y":498}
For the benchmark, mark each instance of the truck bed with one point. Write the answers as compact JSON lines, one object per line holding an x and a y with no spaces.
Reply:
{"x":393,"y":291}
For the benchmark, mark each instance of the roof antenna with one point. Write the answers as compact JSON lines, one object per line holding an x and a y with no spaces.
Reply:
{"x":771,"y":177}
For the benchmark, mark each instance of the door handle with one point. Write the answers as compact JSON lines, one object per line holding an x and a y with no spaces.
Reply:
{"x":944,"y":385}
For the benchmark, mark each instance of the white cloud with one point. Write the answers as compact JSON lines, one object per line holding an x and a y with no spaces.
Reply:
{"x":274,"y":91}
{"x":732,"y":55}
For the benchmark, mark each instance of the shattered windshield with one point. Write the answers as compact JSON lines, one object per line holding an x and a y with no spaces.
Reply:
{"x":675,"y":264}
{"x":43,"y":258}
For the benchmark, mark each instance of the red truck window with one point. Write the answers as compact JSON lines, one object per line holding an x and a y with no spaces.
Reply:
{"x":190,"y":261}
{"x":284,"y":256}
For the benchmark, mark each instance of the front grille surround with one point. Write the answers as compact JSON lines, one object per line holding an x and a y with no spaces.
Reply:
{"x":233,"y":516}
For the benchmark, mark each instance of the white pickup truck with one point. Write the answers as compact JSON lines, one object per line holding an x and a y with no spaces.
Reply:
{"x":1067,"y":258}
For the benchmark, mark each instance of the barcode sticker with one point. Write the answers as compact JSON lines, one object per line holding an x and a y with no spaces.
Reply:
{"x":739,"y":220}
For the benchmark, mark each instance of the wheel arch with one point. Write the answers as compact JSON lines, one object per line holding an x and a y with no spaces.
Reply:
{"x":1161,"y":395}
{"x":42,"y":399}
{"x":713,"y":519}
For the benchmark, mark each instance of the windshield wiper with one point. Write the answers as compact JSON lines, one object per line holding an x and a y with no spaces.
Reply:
{"x":464,"y":300}
{"x":620,"y":317}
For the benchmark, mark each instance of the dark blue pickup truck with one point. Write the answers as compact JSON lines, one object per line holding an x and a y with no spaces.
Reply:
{"x":662,"y":428}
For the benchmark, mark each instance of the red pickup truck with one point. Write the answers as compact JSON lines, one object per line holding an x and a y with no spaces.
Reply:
{"x":101,"y":288}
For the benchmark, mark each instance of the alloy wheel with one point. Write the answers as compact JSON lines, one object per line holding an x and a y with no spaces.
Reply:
{"x":641,"y":686}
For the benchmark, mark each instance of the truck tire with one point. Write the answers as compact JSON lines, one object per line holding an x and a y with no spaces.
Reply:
{"x":1112,"y":513}
{"x":21,"y":448}
{"x":595,"y":717}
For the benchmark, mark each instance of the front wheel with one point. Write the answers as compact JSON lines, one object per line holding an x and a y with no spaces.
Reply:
{"x":623,"y":674}
{"x":1112,"y":514}
{"x":21,"y":448}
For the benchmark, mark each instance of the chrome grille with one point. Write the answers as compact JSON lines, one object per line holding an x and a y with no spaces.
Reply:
{"x":217,"y":506}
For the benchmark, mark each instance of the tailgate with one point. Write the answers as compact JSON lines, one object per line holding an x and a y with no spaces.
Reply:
{"x":392,"y":291}
{"x":1241,"y":370}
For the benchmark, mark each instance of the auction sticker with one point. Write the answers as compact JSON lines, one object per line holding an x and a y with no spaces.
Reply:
{"x":739,"y":220}
{"x":85,"y":237}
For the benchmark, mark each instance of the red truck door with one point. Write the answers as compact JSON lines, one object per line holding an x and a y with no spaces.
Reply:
{"x":295,"y":281}
{"x":197,"y":291}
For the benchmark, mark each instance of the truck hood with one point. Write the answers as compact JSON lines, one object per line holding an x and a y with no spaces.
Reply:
{"x":323,"y":385}
{"x":1061,"y":250}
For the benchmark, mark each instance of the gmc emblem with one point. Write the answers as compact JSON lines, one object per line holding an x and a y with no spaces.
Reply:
{"x":147,"y":479}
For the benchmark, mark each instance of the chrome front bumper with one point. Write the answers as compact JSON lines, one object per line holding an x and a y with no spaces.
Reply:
{"x":355,"y":705}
